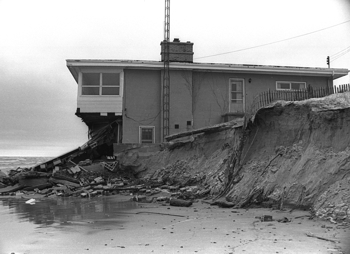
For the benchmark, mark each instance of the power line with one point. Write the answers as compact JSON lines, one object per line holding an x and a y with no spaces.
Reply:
{"x":335,"y":58}
{"x":340,"y":51}
{"x":266,"y":44}
{"x":340,"y":54}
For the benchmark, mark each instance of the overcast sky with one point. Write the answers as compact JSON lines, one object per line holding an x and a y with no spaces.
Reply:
{"x":38,"y":94}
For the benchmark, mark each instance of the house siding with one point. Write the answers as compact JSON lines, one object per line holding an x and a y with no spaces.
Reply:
{"x":142,"y":103}
{"x":211,"y":96}
{"x":180,"y":101}
{"x":261,"y":83}
{"x":98,"y":104}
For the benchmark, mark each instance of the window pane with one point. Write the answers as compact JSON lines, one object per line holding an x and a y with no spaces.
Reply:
{"x":298,"y":86}
{"x":91,"y":79}
{"x":90,"y":90}
{"x":147,"y":135}
{"x":110,"y":90}
{"x":237,"y":86}
{"x":236,"y":96}
{"x":110,"y":79}
{"x":283,"y":85}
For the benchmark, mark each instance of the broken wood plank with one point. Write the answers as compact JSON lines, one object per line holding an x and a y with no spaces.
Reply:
{"x":321,"y":238}
{"x":13,"y":188}
{"x":30,"y":182}
{"x":168,"y":214}
{"x":64,"y":182}
{"x":66,"y":178}
{"x":39,"y":187}
{"x":83,"y":169}
{"x":214,"y":128}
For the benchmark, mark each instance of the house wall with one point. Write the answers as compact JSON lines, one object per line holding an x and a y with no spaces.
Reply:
{"x":180,"y":101}
{"x":211,"y":92}
{"x":142,"y":103}
{"x":260,"y":83}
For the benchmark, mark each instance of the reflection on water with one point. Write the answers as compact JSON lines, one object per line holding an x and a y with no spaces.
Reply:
{"x":66,"y":211}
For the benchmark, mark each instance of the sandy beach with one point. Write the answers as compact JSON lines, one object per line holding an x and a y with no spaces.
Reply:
{"x":159,"y":228}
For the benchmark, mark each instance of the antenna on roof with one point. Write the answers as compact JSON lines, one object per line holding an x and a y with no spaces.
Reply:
{"x":166,"y":73}
{"x":328,"y":62}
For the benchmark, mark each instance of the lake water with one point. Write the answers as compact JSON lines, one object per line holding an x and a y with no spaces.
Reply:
{"x":7,"y":163}
{"x":29,"y":228}
{"x":50,"y":224}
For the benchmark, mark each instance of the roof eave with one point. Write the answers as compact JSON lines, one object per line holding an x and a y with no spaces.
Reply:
{"x":256,"y":69}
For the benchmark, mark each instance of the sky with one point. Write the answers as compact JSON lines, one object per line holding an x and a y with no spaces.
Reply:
{"x":38,"y":95}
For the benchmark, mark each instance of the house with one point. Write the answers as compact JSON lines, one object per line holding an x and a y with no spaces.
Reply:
{"x":129,"y":93}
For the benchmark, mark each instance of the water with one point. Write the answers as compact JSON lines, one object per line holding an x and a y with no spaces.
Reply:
{"x":51,"y":224}
{"x":55,"y":221}
{"x":66,"y":211}
{"x":7,"y":163}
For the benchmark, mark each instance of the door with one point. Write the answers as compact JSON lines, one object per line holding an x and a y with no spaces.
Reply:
{"x":236,"y":96}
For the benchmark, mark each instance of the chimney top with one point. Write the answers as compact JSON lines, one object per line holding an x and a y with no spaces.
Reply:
{"x":178,"y":51}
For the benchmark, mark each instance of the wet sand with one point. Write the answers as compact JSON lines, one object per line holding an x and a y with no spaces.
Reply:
{"x":114,"y":225}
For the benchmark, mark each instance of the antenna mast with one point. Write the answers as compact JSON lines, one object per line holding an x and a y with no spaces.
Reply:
{"x":166,"y":74}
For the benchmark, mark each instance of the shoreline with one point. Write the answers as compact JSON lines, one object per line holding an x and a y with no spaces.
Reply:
{"x":200,"y":228}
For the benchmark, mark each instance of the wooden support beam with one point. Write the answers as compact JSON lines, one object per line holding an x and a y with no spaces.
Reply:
{"x":214,"y":128}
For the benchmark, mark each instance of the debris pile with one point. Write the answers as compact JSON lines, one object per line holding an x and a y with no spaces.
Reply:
{"x":87,"y":178}
{"x":106,"y":176}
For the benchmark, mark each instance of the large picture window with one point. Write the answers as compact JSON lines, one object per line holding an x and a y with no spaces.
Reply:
{"x":100,"y":84}
{"x":146,"y":134}
{"x":289,"y":85}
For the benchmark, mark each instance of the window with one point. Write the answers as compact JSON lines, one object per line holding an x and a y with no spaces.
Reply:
{"x":146,"y":134}
{"x":290,"y":85}
{"x":100,"y":84}
{"x":236,"y":87}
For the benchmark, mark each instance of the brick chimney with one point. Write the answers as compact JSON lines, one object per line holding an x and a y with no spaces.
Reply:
{"x":178,"y":51}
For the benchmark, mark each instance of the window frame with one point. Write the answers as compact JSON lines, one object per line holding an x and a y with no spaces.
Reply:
{"x":290,"y":85}
{"x":101,"y":86}
{"x":153,"y":134}
{"x":236,"y":101}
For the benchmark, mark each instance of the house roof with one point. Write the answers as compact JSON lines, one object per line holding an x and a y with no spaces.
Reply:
{"x":74,"y":65}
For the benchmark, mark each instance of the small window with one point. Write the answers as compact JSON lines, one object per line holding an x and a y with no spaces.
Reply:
{"x":110,"y":90}
{"x":91,"y":79}
{"x":100,"y":84}
{"x":110,"y":79}
{"x":177,"y":126}
{"x":90,"y":90}
{"x":286,"y":85}
{"x":147,"y":135}
{"x":189,"y":123}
